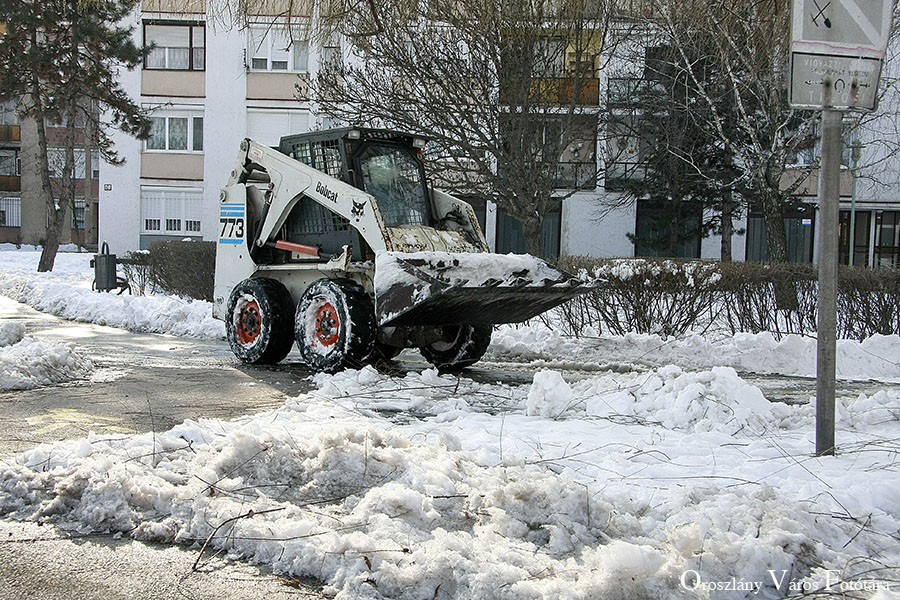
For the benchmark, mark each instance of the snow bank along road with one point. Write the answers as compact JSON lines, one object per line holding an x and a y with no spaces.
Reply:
{"x":668,"y":476}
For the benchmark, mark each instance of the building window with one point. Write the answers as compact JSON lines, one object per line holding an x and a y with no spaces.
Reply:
{"x":511,"y":236}
{"x":10,"y":165}
{"x":176,"y":132}
{"x":175,"y":46}
{"x":78,"y":214}
{"x":56,"y":162}
{"x":272,"y":49}
{"x":861,"y":227}
{"x":269,"y":126}
{"x":10,"y":212}
{"x":887,"y":238}
{"x":8,"y":113}
{"x":663,"y":230}
{"x":799,"y":226}
{"x":170,"y":211}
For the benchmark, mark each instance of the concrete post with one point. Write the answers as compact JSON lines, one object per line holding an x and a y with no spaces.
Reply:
{"x":829,"y":192}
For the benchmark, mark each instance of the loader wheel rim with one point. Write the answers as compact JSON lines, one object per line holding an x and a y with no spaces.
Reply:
{"x":328,"y":324}
{"x":249,"y":324}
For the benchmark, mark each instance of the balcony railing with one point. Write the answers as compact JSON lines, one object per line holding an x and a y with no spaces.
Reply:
{"x":10,"y":183}
{"x":618,"y":173}
{"x":10,"y":133}
{"x":627,"y":91}
{"x":566,"y":90}
{"x":576,"y":175}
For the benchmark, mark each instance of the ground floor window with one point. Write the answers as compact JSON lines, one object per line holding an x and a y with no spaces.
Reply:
{"x":862,"y":226}
{"x":662,"y":229}
{"x":511,"y":235}
{"x":170,"y":211}
{"x":887,"y":238}
{"x":10,"y":212}
{"x":78,"y":214}
{"x":799,"y":225}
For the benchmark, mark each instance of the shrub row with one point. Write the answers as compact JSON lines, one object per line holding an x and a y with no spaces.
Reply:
{"x":662,"y":296}
{"x":671,"y":297}
{"x":182,"y":268}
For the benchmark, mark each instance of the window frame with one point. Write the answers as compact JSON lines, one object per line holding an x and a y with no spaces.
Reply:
{"x":191,"y":116}
{"x":191,"y":44}
{"x":267,"y":41}
{"x":16,"y":162}
{"x":164,"y":216}
{"x":11,"y":207}
{"x":56,"y":158}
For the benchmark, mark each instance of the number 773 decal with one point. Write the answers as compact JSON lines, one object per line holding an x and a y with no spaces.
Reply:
{"x":231,"y":223}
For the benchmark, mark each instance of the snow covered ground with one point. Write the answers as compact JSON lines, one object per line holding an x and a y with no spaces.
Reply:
{"x":676,"y":479}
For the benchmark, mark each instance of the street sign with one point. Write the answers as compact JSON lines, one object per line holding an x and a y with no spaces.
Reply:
{"x":845,"y":27}
{"x":853,"y":81}
{"x":839,"y":45}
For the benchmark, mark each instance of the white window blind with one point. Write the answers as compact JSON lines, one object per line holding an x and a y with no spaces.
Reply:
{"x":171,"y":211}
{"x":268,"y":126}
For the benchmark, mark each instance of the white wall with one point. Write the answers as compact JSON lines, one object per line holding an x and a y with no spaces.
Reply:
{"x":120,"y":208}
{"x":590,"y":230}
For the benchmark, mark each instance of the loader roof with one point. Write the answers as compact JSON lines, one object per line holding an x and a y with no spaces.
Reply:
{"x":365,"y":133}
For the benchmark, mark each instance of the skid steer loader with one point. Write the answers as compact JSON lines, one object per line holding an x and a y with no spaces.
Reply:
{"x":336,"y":241}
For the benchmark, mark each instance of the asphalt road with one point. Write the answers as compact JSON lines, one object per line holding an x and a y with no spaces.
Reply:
{"x":141,"y":383}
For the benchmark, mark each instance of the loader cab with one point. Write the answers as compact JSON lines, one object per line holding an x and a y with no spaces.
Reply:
{"x":386,"y":164}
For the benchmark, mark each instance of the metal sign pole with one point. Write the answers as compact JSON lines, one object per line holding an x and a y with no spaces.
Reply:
{"x":829,"y":193}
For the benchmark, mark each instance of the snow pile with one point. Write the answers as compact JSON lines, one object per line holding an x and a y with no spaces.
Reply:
{"x":469,"y":269}
{"x":29,"y":363}
{"x":66,"y":292}
{"x":874,"y":358}
{"x":710,"y":400}
{"x":549,"y":396}
{"x":360,"y":507}
{"x":11,"y":332}
{"x":483,"y":501}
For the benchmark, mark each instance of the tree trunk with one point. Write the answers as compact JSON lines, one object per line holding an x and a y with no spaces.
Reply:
{"x":51,"y":237}
{"x":58,"y":210}
{"x":727,"y":227}
{"x":532,"y":228}
{"x":776,"y":244}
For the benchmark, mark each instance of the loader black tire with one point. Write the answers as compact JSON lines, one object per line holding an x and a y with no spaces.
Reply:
{"x":467,"y":346}
{"x":260,"y":324}
{"x":335,"y":325}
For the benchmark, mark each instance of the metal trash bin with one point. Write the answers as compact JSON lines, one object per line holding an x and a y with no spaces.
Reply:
{"x":104,"y":270}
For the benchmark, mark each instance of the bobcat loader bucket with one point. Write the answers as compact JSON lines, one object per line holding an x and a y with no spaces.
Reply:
{"x":441,"y":288}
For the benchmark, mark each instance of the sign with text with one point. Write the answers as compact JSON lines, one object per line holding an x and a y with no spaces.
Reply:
{"x":853,"y":81}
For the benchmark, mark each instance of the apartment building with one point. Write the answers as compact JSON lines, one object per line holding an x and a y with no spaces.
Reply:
{"x":23,"y":214}
{"x":207,"y":87}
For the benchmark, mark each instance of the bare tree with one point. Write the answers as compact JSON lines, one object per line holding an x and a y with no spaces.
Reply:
{"x":506,"y":90}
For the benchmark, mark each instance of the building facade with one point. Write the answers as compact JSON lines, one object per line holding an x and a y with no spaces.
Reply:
{"x":207,"y":87}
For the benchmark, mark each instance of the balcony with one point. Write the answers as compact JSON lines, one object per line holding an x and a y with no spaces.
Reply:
{"x":565,"y":90}
{"x":576,"y":175}
{"x":626,"y":91}
{"x":619,"y":173}
{"x":10,"y":183}
{"x":10,"y":133}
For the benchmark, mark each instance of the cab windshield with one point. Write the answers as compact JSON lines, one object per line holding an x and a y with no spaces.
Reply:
{"x":394,"y":176}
